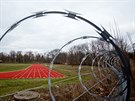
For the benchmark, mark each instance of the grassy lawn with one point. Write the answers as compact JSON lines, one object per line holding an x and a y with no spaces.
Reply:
{"x":13,"y":85}
{"x":12,"y":67}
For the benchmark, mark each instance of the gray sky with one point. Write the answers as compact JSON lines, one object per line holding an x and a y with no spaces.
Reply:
{"x":52,"y":31}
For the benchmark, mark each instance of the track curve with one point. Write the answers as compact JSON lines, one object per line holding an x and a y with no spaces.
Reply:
{"x":33,"y":71}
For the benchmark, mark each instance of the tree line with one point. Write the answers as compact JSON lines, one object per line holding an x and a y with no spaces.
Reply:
{"x":73,"y":56}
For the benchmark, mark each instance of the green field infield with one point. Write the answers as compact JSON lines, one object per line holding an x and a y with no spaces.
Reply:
{"x":5,"y":67}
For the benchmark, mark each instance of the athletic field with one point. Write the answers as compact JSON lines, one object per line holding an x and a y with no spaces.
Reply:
{"x":18,"y":77}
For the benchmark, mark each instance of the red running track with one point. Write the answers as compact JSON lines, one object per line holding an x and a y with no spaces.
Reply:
{"x":33,"y":71}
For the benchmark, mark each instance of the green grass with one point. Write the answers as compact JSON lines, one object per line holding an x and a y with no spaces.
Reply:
{"x":12,"y":67}
{"x":71,"y":74}
{"x":8,"y":86}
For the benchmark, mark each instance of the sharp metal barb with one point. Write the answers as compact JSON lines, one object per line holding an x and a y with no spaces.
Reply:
{"x":114,"y":62}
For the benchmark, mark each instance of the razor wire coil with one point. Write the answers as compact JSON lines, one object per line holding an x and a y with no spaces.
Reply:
{"x":105,"y":60}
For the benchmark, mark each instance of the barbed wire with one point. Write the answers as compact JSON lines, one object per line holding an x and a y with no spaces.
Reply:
{"x":114,"y":62}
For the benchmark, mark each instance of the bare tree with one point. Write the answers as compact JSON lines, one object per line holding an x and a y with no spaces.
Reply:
{"x":13,"y":56}
{"x":19,"y":57}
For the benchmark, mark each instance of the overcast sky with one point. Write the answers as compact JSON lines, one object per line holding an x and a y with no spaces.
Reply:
{"x":52,"y":31}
